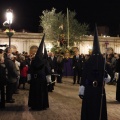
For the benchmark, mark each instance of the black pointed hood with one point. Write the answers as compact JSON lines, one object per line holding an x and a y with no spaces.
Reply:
{"x":96,"y":47}
{"x":38,"y":61}
{"x":96,"y":60}
{"x":39,"y":52}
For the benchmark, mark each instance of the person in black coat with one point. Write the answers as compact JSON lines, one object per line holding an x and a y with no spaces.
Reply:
{"x":12,"y":77}
{"x":53,"y":65}
{"x":117,"y":77}
{"x":3,"y":78}
{"x":77,"y":66}
{"x":40,"y":71}
{"x":60,"y":68}
{"x":92,"y":86}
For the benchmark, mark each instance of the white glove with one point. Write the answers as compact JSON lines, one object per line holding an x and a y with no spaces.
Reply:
{"x":116,"y":75}
{"x":81,"y":91}
{"x":48,"y":77}
{"x":107,"y":79}
{"x":73,"y":67}
{"x":52,"y":70}
{"x":28,"y":77}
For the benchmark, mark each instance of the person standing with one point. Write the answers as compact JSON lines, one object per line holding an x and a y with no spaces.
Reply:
{"x":3,"y":78}
{"x":117,"y":76}
{"x":17,"y":64}
{"x":77,"y":66}
{"x":53,"y":65}
{"x":38,"y":92}
{"x":68,"y":71}
{"x":92,"y":86}
{"x":60,"y":68}
{"x":23,"y":72}
{"x":12,"y":76}
{"x":49,"y":81}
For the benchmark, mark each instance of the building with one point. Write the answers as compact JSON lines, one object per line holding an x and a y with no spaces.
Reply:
{"x":29,"y":42}
{"x":22,"y":41}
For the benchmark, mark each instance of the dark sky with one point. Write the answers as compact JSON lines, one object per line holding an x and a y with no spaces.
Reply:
{"x":27,"y":12}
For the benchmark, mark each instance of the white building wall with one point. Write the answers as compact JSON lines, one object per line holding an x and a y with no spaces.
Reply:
{"x":24,"y":41}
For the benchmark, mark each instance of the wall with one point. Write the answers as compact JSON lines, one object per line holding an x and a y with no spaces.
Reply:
{"x":24,"y":41}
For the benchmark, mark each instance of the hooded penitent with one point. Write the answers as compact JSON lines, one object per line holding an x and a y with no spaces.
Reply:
{"x":38,"y":93}
{"x":95,"y":64}
{"x":94,"y":99}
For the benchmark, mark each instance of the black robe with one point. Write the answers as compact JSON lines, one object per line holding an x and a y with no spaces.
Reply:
{"x":38,"y":93}
{"x":117,"y":69}
{"x":91,"y":103}
{"x":3,"y":80}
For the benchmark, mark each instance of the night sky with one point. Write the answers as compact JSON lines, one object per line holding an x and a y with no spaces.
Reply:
{"x":27,"y":12}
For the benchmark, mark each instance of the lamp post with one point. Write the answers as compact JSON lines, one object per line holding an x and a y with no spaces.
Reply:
{"x":68,"y":27}
{"x":9,"y":16}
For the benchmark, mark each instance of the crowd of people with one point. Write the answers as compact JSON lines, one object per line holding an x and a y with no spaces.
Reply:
{"x":13,"y":75}
{"x":18,"y":68}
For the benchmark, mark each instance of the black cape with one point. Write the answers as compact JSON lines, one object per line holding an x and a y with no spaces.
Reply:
{"x":91,"y":104}
{"x":38,"y":93}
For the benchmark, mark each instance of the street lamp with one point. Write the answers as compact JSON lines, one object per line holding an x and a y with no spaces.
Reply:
{"x":9,"y":16}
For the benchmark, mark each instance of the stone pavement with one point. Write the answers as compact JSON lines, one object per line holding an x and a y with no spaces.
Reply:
{"x":64,"y":104}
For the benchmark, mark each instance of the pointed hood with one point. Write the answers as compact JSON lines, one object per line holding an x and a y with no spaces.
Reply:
{"x":96,"y":60}
{"x":39,"y":52}
{"x":96,"y":47}
{"x":38,"y":61}
{"x":94,"y":66}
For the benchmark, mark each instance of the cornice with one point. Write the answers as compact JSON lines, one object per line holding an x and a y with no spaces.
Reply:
{"x":38,"y":36}
{"x":21,"y":35}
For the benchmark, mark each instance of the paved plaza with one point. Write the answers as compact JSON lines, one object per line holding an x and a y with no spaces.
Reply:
{"x":64,"y":104}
